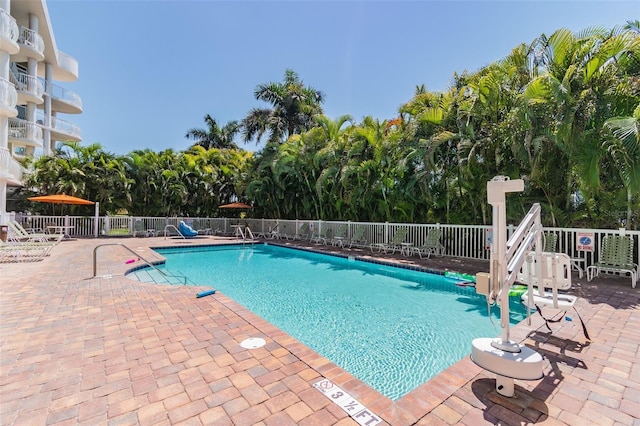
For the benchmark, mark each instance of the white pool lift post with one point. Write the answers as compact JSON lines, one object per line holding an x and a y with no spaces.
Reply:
{"x":508,"y":359}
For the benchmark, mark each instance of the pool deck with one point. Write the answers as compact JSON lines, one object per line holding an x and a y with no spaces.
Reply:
{"x":113,"y":351}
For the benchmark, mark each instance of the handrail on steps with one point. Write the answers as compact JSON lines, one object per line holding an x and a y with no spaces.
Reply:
{"x":246,"y":235}
{"x":95,"y":260}
{"x":177,"y":230}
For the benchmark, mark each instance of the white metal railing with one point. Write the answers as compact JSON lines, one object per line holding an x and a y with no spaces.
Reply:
{"x":9,"y":167}
{"x":65,"y":127}
{"x":28,"y":132}
{"x":65,"y":95}
{"x":460,"y":241}
{"x":8,"y":26}
{"x":59,"y":125}
{"x":8,"y":94}
{"x":31,"y":38}
{"x":27,"y":83}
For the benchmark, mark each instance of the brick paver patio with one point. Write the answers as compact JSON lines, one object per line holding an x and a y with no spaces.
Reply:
{"x":113,"y":351}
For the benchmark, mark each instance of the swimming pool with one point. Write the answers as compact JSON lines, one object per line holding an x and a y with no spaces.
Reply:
{"x":392,"y":328}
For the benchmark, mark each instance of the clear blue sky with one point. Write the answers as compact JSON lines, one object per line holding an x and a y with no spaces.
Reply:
{"x":151,"y":70}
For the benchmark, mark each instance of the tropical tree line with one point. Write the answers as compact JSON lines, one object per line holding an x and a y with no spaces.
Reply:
{"x":142,"y":183}
{"x":562,"y":113}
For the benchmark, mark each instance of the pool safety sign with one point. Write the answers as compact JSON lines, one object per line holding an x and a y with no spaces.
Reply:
{"x":584,"y":241}
{"x":351,"y":406}
{"x":488,"y":238}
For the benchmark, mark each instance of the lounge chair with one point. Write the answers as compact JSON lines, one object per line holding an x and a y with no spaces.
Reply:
{"x":271,"y":234}
{"x":395,"y":244}
{"x":431,"y":244}
{"x":616,"y":256}
{"x":206,"y":229}
{"x":186,"y":230}
{"x":340,"y":235}
{"x":556,"y":275}
{"x":357,"y":238}
{"x":304,"y":233}
{"x":159,"y":227}
{"x":200,"y":228}
{"x":140,"y":229}
{"x":24,"y":251}
{"x":320,"y":237}
{"x":19,"y":234}
{"x":550,"y":242}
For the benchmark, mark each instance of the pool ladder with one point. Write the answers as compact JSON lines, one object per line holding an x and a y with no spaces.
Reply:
{"x":246,"y":235}
{"x":168,"y":277}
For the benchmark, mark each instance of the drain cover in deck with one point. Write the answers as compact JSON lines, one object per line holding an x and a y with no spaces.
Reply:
{"x":252,"y":343}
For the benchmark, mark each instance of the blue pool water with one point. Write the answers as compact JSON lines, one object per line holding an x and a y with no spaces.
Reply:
{"x":392,"y":328}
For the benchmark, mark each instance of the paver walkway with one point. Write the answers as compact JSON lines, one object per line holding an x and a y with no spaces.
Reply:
{"x":113,"y":351}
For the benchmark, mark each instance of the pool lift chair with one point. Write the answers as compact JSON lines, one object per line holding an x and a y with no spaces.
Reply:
{"x":508,"y":359}
{"x":556,"y":275}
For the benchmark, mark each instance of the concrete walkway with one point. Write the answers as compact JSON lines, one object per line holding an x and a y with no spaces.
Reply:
{"x":113,"y":351}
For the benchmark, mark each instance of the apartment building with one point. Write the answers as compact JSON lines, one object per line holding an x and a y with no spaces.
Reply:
{"x":34,"y":104}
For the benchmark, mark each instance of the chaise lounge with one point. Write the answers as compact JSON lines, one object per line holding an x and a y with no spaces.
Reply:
{"x":616,"y":257}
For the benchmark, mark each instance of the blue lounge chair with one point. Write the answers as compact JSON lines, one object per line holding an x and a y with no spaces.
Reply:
{"x":186,"y":230}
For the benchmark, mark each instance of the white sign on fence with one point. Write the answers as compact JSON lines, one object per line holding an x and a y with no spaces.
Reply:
{"x":488,"y":238}
{"x":584,"y":241}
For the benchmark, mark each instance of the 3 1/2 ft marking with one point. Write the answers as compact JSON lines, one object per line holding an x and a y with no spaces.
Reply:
{"x":350,"y":405}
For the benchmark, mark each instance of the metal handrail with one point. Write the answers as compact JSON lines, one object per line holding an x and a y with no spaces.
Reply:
{"x":177,"y":230}
{"x":245,"y":235}
{"x":95,"y":260}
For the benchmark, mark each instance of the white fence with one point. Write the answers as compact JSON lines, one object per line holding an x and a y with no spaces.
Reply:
{"x":464,"y":241}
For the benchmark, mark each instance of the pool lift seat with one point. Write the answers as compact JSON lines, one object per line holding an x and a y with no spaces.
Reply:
{"x":555,"y":269}
{"x":507,"y":359}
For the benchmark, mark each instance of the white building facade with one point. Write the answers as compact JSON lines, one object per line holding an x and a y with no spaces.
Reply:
{"x":33,"y":102}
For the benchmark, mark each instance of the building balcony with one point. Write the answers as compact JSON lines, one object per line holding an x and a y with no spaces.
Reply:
{"x":61,"y":130}
{"x":64,"y":100}
{"x":8,"y":98}
{"x":9,"y":33}
{"x":10,"y":169}
{"x":24,"y":133}
{"x":66,"y":69}
{"x":31,"y":46}
{"x":29,"y":88}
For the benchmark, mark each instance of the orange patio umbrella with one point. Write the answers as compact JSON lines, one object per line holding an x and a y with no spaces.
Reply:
{"x":235,"y":205}
{"x":60,"y":199}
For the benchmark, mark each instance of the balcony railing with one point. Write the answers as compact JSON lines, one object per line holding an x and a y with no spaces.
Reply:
{"x":65,"y":127}
{"x":25,"y":131}
{"x":8,"y":94}
{"x":27,"y":83}
{"x":8,"y":26}
{"x":59,"y":126}
{"x":65,"y":95}
{"x":69,"y":64}
{"x":32,"y":39}
{"x":10,"y":169}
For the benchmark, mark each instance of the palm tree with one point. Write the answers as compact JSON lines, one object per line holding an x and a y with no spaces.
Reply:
{"x":215,"y":136}
{"x":293,"y":108}
{"x":624,"y":149}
